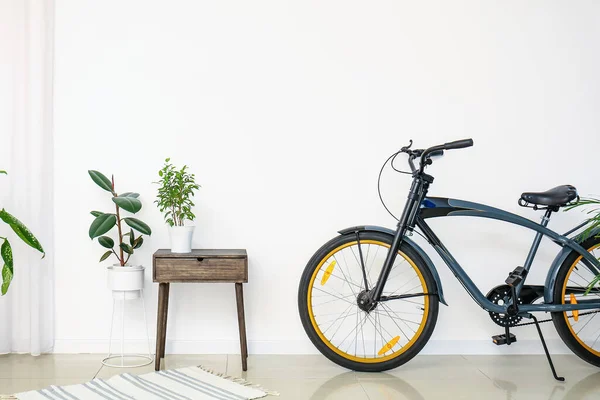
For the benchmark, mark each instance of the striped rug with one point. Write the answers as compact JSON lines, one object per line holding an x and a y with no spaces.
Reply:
{"x":178,"y":384}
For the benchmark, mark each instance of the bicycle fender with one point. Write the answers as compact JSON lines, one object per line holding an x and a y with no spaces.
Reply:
{"x":553,"y":271}
{"x":416,"y":247}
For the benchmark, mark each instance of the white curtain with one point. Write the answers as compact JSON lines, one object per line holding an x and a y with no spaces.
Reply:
{"x":26,"y":148}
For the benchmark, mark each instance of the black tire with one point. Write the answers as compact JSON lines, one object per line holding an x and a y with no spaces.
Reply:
{"x":429,"y":321}
{"x":560,"y":319}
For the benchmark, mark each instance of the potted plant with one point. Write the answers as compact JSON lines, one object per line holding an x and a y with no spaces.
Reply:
{"x":174,"y":199}
{"x":124,"y":279}
{"x":6,"y":250}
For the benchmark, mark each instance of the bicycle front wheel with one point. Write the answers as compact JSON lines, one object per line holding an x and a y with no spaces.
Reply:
{"x":379,"y":339}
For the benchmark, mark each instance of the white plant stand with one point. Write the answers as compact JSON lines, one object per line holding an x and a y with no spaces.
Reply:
{"x":122,"y":359}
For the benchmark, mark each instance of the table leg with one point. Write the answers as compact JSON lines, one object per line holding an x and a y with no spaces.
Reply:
{"x":166,"y":311}
{"x":161,"y":322}
{"x":239,"y":294}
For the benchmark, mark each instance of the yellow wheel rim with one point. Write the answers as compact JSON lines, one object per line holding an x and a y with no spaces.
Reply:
{"x":392,"y":340}
{"x":566,"y":315}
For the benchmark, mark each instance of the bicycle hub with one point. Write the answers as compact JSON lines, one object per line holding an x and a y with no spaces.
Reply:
{"x":364,"y":302}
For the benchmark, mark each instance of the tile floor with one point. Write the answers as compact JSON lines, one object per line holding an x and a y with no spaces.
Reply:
{"x":314,"y":377}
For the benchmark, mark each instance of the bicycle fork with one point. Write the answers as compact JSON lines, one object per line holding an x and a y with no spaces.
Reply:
{"x":417,"y":193}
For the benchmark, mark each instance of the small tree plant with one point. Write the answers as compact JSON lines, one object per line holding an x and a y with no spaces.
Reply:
{"x":175,"y":194}
{"x":104,"y":222}
{"x":6,"y":250}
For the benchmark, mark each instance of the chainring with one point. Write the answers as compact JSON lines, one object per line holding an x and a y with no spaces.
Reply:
{"x":501,"y":295}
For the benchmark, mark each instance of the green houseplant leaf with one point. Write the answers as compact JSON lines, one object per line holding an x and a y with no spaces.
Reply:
{"x":7,"y":276}
{"x":126,"y":248}
{"x":106,"y":241}
{"x":129,"y":194}
{"x":105,"y":255}
{"x":21,"y":231}
{"x":6,"y":252}
{"x":130,"y":204}
{"x":96,"y":213}
{"x":102,"y":224}
{"x":138,"y":242}
{"x":138,"y":225}
{"x":7,"y":269}
{"x":101,"y":180}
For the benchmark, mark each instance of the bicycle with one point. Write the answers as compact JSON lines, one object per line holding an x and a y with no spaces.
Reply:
{"x":375,"y":325}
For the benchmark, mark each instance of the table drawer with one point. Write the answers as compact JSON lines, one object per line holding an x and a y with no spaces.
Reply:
{"x":201,"y":269}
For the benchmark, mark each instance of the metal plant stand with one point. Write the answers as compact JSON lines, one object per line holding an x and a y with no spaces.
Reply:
{"x":122,"y":359}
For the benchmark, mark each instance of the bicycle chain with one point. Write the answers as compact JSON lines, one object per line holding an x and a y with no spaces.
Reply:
{"x":550,"y":319}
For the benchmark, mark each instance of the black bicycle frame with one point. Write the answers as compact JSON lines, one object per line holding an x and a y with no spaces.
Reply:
{"x":419,"y":207}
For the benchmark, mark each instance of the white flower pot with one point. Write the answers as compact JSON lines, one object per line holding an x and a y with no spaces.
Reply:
{"x":181,"y":238}
{"x":125,"y":282}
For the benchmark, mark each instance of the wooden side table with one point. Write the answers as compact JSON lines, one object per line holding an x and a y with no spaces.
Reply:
{"x":199,"y":266}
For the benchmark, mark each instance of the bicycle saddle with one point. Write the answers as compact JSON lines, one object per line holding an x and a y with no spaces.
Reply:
{"x":558,"y":196}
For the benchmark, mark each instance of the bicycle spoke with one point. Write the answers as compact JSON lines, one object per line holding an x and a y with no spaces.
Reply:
{"x":338,"y":297}
{"x":345,"y":277}
{"x":337,"y":330}
{"x":344,"y":314}
{"x":401,"y":319}
{"x":331,"y":301}
{"x":577,"y":333}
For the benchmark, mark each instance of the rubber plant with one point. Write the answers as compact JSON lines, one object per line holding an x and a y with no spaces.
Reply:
{"x":175,"y":193}
{"x":6,"y":250}
{"x":127,"y":242}
{"x":592,"y":206}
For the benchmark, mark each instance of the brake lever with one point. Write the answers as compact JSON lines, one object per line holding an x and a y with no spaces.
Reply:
{"x":406,"y":148}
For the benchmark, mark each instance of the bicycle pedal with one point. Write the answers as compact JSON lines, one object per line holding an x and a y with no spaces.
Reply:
{"x":516,"y":277}
{"x":501,"y":339}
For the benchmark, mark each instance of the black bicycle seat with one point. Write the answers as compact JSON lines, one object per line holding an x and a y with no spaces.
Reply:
{"x":558,"y":196}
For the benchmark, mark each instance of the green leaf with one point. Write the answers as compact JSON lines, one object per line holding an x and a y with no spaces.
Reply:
{"x":592,"y":284}
{"x":106,"y":241}
{"x":7,"y":275}
{"x":22,"y":231}
{"x":7,"y":269}
{"x":3,"y":172}
{"x":102,"y":224}
{"x":105,"y":255}
{"x":131,"y":237}
{"x":138,"y":242}
{"x":138,"y":225}
{"x":129,"y":194}
{"x":7,"y":256}
{"x":130,"y":204}
{"x":101,"y":180}
{"x":96,"y":213}
{"x":126,"y":248}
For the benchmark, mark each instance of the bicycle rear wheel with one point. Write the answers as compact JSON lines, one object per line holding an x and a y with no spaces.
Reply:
{"x":383,"y":338}
{"x":579,"y":330}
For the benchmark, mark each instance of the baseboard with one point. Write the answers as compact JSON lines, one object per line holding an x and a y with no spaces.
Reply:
{"x":438,"y":347}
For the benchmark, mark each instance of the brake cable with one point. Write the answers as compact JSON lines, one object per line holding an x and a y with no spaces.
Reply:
{"x":392,"y":157}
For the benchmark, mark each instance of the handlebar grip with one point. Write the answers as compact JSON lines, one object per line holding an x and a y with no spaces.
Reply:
{"x":436,"y":153}
{"x":459,"y":144}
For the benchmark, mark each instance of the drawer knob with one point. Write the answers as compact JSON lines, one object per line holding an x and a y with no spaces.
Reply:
{"x":200,"y":259}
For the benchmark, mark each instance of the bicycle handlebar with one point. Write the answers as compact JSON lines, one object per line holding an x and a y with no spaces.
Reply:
{"x":458,"y":144}
{"x":434,"y":151}
{"x":439,"y":149}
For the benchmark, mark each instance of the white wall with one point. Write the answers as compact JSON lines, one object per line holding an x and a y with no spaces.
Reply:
{"x":285,"y":111}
